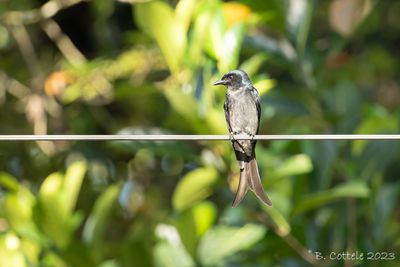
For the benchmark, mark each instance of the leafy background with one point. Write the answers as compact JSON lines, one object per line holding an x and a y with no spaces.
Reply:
{"x":146,"y":67}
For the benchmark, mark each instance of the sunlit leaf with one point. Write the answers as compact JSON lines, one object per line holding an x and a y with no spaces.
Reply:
{"x":10,"y":252}
{"x":184,"y":11}
{"x":171,"y":37}
{"x":294,"y":165}
{"x":204,"y":214}
{"x":354,"y":189}
{"x":53,"y":216}
{"x":224,"y":241}
{"x":168,"y":255}
{"x":72,"y":183}
{"x":8,"y":182}
{"x":229,"y":48}
{"x":194,"y":222}
{"x":263,"y":86}
{"x":193,"y":187}
{"x":253,"y":64}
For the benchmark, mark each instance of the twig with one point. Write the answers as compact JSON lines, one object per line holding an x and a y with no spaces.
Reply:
{"x":291,"y":241}
{"x":25,"y":45}
{"x":63,"y":42}
{"x":46,"y":11}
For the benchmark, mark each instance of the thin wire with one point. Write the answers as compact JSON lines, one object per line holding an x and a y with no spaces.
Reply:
{"x":174,"y":137}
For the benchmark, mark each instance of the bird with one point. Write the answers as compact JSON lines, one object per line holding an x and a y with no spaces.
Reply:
{"x":242,"y":113}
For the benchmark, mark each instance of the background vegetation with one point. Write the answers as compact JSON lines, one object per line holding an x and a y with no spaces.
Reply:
{"x":129,"y":66}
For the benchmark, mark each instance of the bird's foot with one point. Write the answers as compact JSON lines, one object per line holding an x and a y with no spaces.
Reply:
{"x":251,"y":135}
{"x":232,"y":136}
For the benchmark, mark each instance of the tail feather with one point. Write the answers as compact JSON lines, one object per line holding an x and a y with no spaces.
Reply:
{"x":256,"y":184}
{"x":243,"y":184}
{"x":250,"y":179}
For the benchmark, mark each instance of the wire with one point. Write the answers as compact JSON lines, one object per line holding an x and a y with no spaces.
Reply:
{"x":172,"y":137}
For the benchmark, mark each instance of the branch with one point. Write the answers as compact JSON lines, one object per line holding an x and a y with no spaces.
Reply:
{"x":46,"y":11}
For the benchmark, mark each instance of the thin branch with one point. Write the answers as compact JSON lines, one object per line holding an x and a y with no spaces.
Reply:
{"x":63,"y":42}
{"x":25,"y":45}
{"x":176,"y":137}
{"x":291,"y":241}
{"x":46,"y":11}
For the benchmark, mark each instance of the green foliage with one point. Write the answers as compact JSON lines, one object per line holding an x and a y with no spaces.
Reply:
{"x":146,"y":67}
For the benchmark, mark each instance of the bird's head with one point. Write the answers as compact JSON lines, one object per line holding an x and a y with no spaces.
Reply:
{"x":234,"y":79}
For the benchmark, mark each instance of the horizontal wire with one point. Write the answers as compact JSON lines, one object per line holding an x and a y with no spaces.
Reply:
{"x":176,"y":137}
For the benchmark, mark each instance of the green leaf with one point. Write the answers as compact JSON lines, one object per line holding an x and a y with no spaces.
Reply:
{"x":72,"y":183}
{"x":279,"y":212}
{"x":386,"y":202}
{"x":357,"y":189}
{"x":8,"y":182}
{"x":158,"y":20}
{"x":295,"y":165}
{"x":97,"y":222}
{"x":229,"y":49}
{"x":184,"y":11}
{"x":194,"y":222}
{"x":10,"y":251}
{"x":194,"y":187}
{"x":298,"y":18}
{"x":54,"y":210}
{"x":224,"y":241}
{"x":169,"y":255}
{"x":375,"y":124}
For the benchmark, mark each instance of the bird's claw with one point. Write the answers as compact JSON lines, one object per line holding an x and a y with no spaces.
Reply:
{"x":251,"y":135}
{"x":232,"y":136}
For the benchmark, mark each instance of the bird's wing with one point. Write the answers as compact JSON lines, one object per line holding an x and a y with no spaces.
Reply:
{"x":256,"y":98}
{"x":226,"y":109}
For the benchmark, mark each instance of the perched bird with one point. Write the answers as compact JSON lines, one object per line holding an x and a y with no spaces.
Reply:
{"x":242,"y":114}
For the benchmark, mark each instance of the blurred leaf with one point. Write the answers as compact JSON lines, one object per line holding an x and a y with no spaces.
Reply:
{"x":253,"y":64}
{"x":171,"y":37}
{"x":224,"y":241}
{"x":235,"y":12}
{"x":279,"y":212}
{"x":72,"y":183}
{"x":96,"y":225}
{"x":295,"y":165}
{"x":229,"y":48}
{"x":378,"y":123}
{"x":204,"y":215}
{"x":4,"y":37}
{"x":346,"y":15}
{"x":57,"y":196}
{"x":17,"y":210}
{"x":357,"y":189}
{"x":10,"y":252}
{"x":193,"y":187}
{"x":184,"y":11}
{"x":299,"y":16}
{"x":263,"y":86}
{"x":168,"y":255}
{"x":8,"y":182}
{"x":385,"y":204}
{"x":194,"y":222}
{"x":377,"y":156}
{"x":189,"y":111}
{"x":324,"y":156}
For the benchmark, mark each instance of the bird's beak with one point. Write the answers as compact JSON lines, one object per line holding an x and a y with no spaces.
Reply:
{"x":219,"y":82}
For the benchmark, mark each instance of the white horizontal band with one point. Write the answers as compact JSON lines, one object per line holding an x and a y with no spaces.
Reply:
{"x":175,"y":137}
